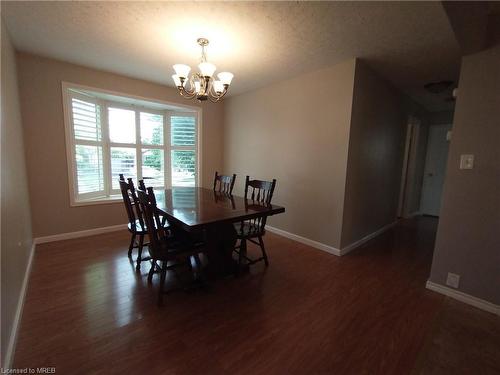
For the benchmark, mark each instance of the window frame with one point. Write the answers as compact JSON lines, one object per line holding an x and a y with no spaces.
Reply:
{"x":167,"y":109}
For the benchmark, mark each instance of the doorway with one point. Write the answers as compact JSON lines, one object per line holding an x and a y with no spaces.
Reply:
{"x":424,"y":168}
{"x":413,"y":168}
{"x":435,"y":169}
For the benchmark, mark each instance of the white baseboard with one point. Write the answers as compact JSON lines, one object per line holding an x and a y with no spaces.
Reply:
{"x":328,"y":248}
{"x":82,"y":233}
{"x":463,"y":297}
{"x":367,"y":238}
{"x":304,"y":240}
{"x":11,"y":345}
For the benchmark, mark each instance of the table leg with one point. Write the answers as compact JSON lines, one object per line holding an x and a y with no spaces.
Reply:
{"x":220,"y":242}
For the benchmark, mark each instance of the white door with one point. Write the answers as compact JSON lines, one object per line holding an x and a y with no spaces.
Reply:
{"x":435,"y":168}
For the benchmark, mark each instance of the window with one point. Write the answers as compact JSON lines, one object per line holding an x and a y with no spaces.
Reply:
{"x":108,"y":135}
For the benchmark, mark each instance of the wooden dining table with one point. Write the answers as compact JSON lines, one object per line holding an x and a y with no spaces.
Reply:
{"x":211,"y":215}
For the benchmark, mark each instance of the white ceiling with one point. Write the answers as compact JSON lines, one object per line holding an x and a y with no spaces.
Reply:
{"x":410,"y":43}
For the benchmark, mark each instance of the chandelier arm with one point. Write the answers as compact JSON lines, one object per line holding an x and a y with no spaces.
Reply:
{"x":191,"y":92}
{"x":213,"y":99}
{"x":219,"y":97}
{"x":213,"y":92}
{"x":187,"y":95}
{"x":209,"y":84}
{"x":191,"y":83}
{"x":207,"y":81}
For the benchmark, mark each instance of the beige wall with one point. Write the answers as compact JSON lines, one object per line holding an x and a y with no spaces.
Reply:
{"x":297,"y":132}
{"x":468,"y":239}
{"x":376,"y":149}
{"x":16,"y":220}
{"x":41,"y":102}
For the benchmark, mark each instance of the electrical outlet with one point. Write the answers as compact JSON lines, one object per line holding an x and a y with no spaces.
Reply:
{"x":466,"y":161}
{"x":453,"y":280}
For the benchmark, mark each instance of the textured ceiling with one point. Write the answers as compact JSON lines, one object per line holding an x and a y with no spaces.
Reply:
{"x":410,"y":43}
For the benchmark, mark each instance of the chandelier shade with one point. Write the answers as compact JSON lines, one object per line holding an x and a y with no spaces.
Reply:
{"x":182,"y":70}
{"x":218,"y":86}
{"x":177,"y":80}
{"x":202,"y":85}
{"x":225,"y":77}
{"x":207,"y":69}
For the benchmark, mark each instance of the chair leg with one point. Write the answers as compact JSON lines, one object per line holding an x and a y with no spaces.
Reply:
{"x":131,"y":246}
{"x":243,"y":251}
{"x":139,"y":253}
{"x":264,"y":254}
{"x":151,"y":271}
{"x":162,"y":282}
{"x":198,"y":271}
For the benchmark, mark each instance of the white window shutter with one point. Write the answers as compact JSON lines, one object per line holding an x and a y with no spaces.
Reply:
{"x":89,"y":169}
{"x":183,"y":130}
{"x":88,"y":148}
{"x":86,"y":120}
{"x":183,"y":154}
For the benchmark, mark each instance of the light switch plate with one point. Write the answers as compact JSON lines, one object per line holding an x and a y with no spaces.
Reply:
{"x":466,"y":161}
{"x":453,"y":280}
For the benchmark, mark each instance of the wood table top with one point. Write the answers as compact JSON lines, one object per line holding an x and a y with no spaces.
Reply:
{"x":195,"y":207}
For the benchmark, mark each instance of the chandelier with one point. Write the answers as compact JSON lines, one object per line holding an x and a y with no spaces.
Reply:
{"x":202,"y":85}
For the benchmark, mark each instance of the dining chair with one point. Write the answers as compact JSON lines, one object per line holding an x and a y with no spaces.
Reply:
{"x":142,"y":187}
{"x":257,"y":192}
{"x":224,"y":184}
{"x":163,"y":246}
{"x":135,"y":219}
{"x":136,"y":224}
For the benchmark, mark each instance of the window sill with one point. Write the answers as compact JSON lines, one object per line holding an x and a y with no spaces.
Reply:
{"x":96,"y":201}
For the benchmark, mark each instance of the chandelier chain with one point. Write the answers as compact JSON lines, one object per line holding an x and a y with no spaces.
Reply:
{"x":203,"y":54}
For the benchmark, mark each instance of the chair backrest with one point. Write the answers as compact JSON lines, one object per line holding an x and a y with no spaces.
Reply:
{"x":258,"y":193}
{"x":142,"y":186}
{"x":223,"y":183}
{"x":131,"y":202}
{"x":220,"y":196}
{"x":156,"y":231}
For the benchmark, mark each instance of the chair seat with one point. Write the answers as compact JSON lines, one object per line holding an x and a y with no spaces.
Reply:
{"x":139,"y":229}
{"x":171,"y":248}
{"x":248,"y":230}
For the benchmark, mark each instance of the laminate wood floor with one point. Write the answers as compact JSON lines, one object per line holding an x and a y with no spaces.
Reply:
{"x":88,"y":312}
